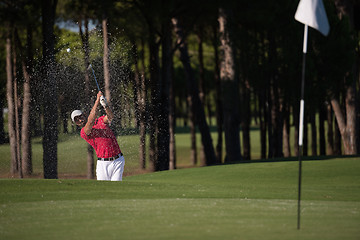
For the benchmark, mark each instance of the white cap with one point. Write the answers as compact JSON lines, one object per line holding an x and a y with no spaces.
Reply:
{"x":75,"y":113}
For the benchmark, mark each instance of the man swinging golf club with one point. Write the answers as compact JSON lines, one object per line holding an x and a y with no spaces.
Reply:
{"x":96,"y":131}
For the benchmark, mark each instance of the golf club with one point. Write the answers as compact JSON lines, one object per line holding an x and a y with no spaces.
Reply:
{"x":94,"y":77}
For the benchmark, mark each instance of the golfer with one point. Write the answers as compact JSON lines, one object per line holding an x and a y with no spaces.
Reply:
{"x":96,"y":131}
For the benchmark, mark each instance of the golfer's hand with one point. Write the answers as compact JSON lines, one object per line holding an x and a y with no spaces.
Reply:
{"x":103,"y":101}
{"x":99,"y":94}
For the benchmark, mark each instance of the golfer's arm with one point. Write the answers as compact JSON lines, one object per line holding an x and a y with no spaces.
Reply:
{"x":91,"y":118}
{"x":109,"y":115}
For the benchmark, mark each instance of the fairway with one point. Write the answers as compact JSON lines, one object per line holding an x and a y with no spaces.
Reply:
{"x":239,"y":201}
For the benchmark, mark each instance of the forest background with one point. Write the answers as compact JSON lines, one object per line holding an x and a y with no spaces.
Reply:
{"x":232,"y":65}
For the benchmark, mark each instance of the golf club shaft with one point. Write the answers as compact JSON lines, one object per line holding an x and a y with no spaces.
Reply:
{"x":95,"y":77}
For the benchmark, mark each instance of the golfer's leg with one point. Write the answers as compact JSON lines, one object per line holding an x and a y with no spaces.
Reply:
{"x":102,"y":172}
{"x":118,"y":169}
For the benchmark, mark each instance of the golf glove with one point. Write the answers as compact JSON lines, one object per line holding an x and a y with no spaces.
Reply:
{"x":103,"y":101}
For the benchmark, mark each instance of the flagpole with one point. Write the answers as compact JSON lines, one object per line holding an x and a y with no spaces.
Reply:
{"x":311,"y":13}
{"x":301,"y":120}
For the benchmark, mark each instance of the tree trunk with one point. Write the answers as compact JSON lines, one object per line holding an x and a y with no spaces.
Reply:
{"x":172,"y":124}
{"x":296,"y":110}
{"x":219,"y":110}
{"x":193,"y":148}
{"x":2,"y":129}
{"x":50,"y":137}
{"x":286,"y":131}
{"x":350,"y":103}
{"x":246,"y":112}
{"x":313,"y":134}
{"x":10,"y":103}
{"x":347,"y":124}
{"x":107,"y":80}
{"x":88,"y":97}
{"x":263,"y":120}
{"x":201,"y":68}
{"x":168,"y":99}
{"x":305,"y":135}
{"x":143,"y":115}
{"x":230,"y":89}
{"x":275,"y":100}
{"x":164,"y":103}
{"x":140,"y":98}
{"x":347,"y":127}
{"x":322,"y":129}
{"x":269,"y":120}
{"x":201,"y":85}
{"x":209,"y":106}
{"x":330,"y":135}
{"x":193,"y":91}
{"x":275,"y":116}
{"x":25,"y":122}
{"x":36,"y":103}
{"x":17,"y":122}
{"x":154,"y":82}
{"x":357,"y":75}
{"x":337,"y":140}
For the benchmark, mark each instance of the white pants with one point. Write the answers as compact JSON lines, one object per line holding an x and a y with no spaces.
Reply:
{"x":110,"y":170}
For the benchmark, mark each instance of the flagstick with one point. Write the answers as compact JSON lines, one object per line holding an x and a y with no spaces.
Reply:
{"x":301,"y":122}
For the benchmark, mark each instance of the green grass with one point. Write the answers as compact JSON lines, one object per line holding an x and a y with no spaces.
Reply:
{"x":239,"y":201}
{"x":72,"y":154}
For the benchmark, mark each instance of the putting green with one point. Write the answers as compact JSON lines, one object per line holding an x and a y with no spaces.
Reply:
{"x":240,"y":201}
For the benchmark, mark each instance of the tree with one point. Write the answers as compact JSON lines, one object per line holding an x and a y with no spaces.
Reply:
{"x":200,"y":38}
{"x":50,"y":91}
{"x":337,"y":77}
{"x":159,"y":81}
{"x":193,"y":92}
{"x":16,"y":106}
{"x":219,"y":109}
{"x":136,"y":33}
{"x":230,"y":88}
{"x":81,"y":12}
{"x":154,"y":79}
{"x":25,"y":122}
{"x":10,"y":100}
{"x":85,"y":45}
{"x":165,"y":101}
{"x":347,"y":125}
{"x":140,"y":97}
{"x":107,"y":80}
{"x":23,"y":16}
{"x":2,"y":130}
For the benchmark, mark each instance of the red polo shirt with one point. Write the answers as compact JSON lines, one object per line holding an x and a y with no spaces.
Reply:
{"x":102,"y":139}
